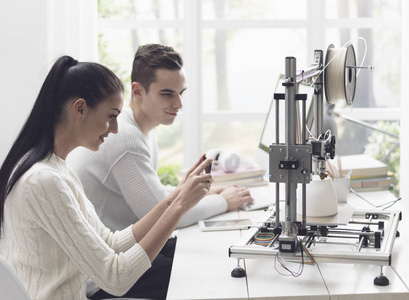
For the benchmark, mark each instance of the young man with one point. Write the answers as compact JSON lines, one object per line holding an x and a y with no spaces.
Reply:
{"x":121,"y":178}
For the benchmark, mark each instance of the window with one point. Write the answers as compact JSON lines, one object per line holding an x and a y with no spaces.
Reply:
{"x":234,"y":51}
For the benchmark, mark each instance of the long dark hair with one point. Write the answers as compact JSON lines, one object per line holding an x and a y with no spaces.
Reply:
{"x":68,"y":79}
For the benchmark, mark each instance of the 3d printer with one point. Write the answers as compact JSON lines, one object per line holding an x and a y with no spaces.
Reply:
{"x":365,"y":236}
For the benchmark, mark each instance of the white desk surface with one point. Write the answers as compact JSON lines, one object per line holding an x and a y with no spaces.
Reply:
{"x":202,"y":268}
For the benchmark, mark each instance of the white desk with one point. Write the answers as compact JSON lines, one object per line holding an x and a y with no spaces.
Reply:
{"x":202,"y":267}
{"x":200,"y":264}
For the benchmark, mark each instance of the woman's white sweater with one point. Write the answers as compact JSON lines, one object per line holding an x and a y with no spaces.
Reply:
{"x":53,"y":238}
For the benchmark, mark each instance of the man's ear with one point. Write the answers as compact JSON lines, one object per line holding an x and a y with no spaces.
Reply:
{"x":79,"y":107}
{"x":137,"y":90}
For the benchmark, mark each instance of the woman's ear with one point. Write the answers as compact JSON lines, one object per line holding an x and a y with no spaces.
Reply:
{"x":79,"y":107}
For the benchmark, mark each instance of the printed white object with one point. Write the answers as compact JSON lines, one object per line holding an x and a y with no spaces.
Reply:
{"x":321,"y":198}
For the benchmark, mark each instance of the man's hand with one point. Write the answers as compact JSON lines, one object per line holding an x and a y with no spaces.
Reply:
{"x":236,"y":196}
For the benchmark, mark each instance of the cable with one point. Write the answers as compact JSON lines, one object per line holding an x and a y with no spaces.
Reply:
{"x":389,"y":203}
{"x":291,"y":273}
{"x":263,"y":238}
{"x":302,"y":263}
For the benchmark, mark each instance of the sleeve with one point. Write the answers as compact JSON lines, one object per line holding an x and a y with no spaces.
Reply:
{"x":119,"y":241}
{"x":139,"y":184}
{"x":54,"y":204}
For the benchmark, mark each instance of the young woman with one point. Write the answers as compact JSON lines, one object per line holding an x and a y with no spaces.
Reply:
{"x":51,"y":234}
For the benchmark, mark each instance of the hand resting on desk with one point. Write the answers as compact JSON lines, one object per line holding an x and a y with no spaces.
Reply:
{"x":236,"y":196}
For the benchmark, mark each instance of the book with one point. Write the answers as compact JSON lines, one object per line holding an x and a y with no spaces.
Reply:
{"x":252,"y":174}
{"x":221,"y":176}
{"x":358,"y":166}
{"x":383,"y":182}
{"x":246,"y":182}
{"x":372,"y":189}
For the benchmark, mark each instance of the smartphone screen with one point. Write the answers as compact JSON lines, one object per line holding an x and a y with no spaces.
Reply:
{"x":208,"y":169}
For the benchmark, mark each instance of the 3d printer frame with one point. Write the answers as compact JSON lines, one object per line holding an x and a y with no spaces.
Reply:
{"x":368,"y":237}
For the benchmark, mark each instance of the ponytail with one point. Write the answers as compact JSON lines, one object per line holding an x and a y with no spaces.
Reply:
{"x":68,"y":79}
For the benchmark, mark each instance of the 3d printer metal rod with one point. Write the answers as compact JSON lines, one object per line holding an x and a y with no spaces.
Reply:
{"x":290,"y":140}
{"x":304,"y":206}
{"x":350,"y":233}
{"x":277,"y":223}
{"x":361,"y":241}
{"x":358,"y":67}
{"x":378,"y":258}
{"x":304,"y":186}
{"x":363,"y":223}
{"x":390,"y":231}
{"x":309,"y":73}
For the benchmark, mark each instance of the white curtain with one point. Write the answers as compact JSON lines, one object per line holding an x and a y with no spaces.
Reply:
{"x":72,"y":29}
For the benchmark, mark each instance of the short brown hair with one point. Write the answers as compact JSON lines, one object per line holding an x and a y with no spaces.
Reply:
{"x":149,"y":58}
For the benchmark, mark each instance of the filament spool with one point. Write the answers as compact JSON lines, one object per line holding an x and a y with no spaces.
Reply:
{"x":340,"y":74}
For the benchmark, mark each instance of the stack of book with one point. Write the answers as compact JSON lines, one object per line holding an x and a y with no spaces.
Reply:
{"x":242,"y":177}
{"x":365,"y":172}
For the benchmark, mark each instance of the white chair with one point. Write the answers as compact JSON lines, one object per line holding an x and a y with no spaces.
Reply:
{"x":10,"y":285}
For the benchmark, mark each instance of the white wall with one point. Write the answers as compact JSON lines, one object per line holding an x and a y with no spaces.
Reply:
{"x":22,"y":59}
{"x":32,"y":35}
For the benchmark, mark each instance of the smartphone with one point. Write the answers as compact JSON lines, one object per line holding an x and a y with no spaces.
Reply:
{"x":215,"y":225}
{"x":208,"y":169}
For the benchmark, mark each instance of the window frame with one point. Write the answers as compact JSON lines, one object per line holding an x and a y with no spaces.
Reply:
{"x":192,"y":26}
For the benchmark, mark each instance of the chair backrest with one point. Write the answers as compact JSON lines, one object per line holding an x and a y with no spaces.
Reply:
{"x":10,"y":285}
